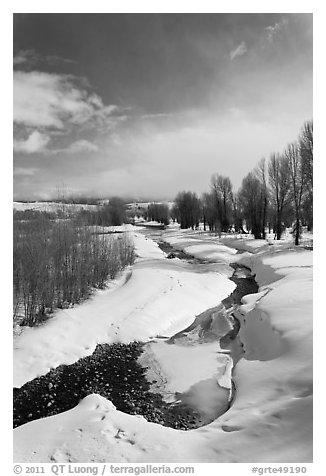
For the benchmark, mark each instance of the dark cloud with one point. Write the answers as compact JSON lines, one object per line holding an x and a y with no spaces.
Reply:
{"x":153,"y":103}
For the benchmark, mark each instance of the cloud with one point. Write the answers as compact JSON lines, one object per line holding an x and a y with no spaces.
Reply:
{"x":81,"y":146}
{"x":31,"y":57}
{"x":24,"y":172}
{"x":240,"y":50}
{"x":51,"y":100}
{"x":46,"y":105}
{"x":236,"y":112}
{"x":35,"y":143}
{"x":274,"y":30}
{"x":158,"y":115}
{"x":20,"y":59}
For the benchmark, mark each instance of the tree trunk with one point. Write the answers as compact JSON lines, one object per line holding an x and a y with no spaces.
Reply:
{"x":278,"y":228}
{"x":297,"y":232}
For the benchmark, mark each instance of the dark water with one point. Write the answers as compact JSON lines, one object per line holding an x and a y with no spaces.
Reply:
{"x":245,"y":282}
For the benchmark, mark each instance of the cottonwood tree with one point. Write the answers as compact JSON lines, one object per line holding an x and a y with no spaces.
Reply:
{"x":158,"y":212}
{"x":279,"y":181}
{"x":222,"y":190}
{"x":117,"y":211}
{"x":237,"y":213}
{"x":250,"y":197}
{"x":174,"y":213}
{"x":210,"y":212}
{"x":260,"y":172}
{"x":187,"y":209}
{"x":297,"y":184}
{"x":306,"y":153}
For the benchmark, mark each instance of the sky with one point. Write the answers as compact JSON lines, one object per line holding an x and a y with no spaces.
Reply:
{"x":145,"y":105}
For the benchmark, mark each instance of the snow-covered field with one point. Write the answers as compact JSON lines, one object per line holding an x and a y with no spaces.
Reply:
{"x":271,"y":417}
{"x":51,"y":206}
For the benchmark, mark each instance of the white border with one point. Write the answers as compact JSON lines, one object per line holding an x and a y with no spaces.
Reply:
{"x":167,"y":6}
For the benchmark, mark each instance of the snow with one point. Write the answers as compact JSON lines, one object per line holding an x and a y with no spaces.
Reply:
{"x":95,"y":431}
{"x":146,"y":248}
{"x":211,"y":252}
{"x":248,"y":243}
{"x":51,"y":206}
{"x":185,"y":366}
{"x":201,"y":245}
{"x":145,"y":205}
{"x":270,"y":420}
{"x":193,"y":374}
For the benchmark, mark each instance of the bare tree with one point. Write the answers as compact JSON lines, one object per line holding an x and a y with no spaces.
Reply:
{"x":187,"y":209}
{"x":297,"y":184}
{"x":237,"y":213}
{"x":250,"y":197}
{"x":222,"y":188}
{"x":306,"y":153}
{"x":279,"y":181}
{"x":260,"y":172}
{"x":210,"y":212}
{"x":158,"y":212}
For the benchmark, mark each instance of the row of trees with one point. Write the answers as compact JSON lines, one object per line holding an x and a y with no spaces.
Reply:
{"x":276,"y":194}
{"x":112,"y":213}
{"x":57,"y":262}
{"x":186,"y":209}
{"x":158,"y":212}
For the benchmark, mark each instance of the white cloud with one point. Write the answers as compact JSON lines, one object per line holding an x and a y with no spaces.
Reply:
{"x":20,"y":58}
{"x":50,"y":100}
{"x":240,"y":50}
{"x":56,"y":104}
{"x":81,"y":146}
{"x":274,"y":30}
{"x":24,"y":171}
{"x":158,"y":115}
{"x":36,"y":142}
{"x":236,"y":112}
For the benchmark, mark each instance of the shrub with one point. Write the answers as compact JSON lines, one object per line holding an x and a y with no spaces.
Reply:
{"x":57,"y":263}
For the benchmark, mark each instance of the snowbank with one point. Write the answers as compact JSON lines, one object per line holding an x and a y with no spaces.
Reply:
{"x":200,"y":245}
